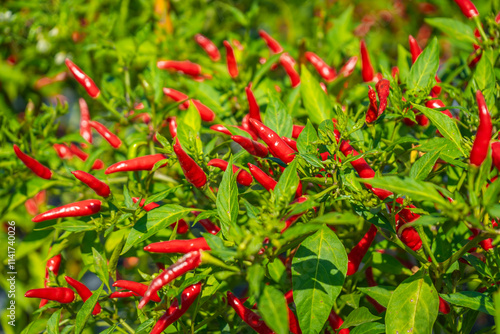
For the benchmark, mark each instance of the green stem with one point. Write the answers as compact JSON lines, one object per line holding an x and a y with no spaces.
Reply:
{"x":458,"y":254}
{"x":426,"y":245}
{"x":479,"y":26}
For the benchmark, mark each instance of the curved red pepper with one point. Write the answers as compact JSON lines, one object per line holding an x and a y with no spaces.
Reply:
{"x":251,"y":146}
{"x":85,"y":130}
{"x":467,"y":8}
{"x":185,"y":67}
{"x":328,"y":73}
{"x":172,"y":126}
{"x":110,"y":137}
{"x":100,"y":188}
{"x":177,"y":246}
{"x":63,"y":151}
{"x":265,"y":180}
{"x":148,"y":207}
{"x":208,"y":46}
{"x":36,"y":167}
{"x":349,"y":66}
{"x":247,"y":315}
{"x":434,"y":104}
{"x":336,"y":321}
{"x":53,"y":265}
{"x":297,"y":129}
{"x":84,"y":208}
{"x":84,"y":292}
{"x":193,"y":172}
{"x":123,"y":294}
{"x":444,"y":307}
{"x":207,"y":224}
{"x":288,"y":64}
{"x":495,"y":154}
{"x":136,"y":288}
{"x":206,"y":114}
{"x":61,"y":295}
{"x":357,"y":253}
{"x":146,"y":162}
{"x":371,"y":114}
{"x":83,"y":79}
{"x":243,"y":178}
{"x":272,"y":44}
{"x":415,"y":49}
{"x":383,"y":89}
{"x":276,"y":145}
{"x":482,"y":142}
{"x":367,"y":71}
{"x":177,"y":97}
{"x":252,"y":103}
{"x":232,"y":67}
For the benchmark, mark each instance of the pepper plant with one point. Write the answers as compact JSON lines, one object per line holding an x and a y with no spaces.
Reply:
{"x":195,"y":167}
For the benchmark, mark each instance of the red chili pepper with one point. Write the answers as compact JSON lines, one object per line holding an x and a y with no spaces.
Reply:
{"x":367,"y":71}
{"x":290,"y":142}
{"x":53,"y":265}
{"x":247,"y":315}
{"x":297,"y":129}
{"x":483,"y":135}
{"x":185,"y":67}
{"x":173,"y":313}
{"x":177,"y":97}
{"x":265,"y":180}
{"x":146,"y":208}
{"x":495,"y":154}
{"x":409,"y":236}
{"x":123,"y":294}
{"x":206,"y":114}
{"x":276,"y":145}
{"x":357,"y":253}
{"x":192,"y":171}
{"x":293,"y":322}
{"x":252,"y":103}
{"x":251,"y":146}
{"x":98,"y":164}
{"x":172,"y":126}
{"x":371,"y":282}
{"x":371,"y":114}
{"x":414,"y":48}
{"x":146,"y":162}
{"x":232,"y":67}
{"x":186,"y":263}
{"x":288,"y":64}
{"x":243,"y":178}
{"x":467,"y":8}
{"x":110,"y":137}
{"x":177,"y":246}
{"x":36,"y":167}
{"x":349,"y":66}
{"x":182,"y":227}
{"x":444,"y":307}
{"x":328,"y":73}
{"x":100,"y":188}
{"x":293,"y":219}
{"x":272,"y":44}
{"x":78,"y":152}
{"x":61,"y":295}
{"x":383,"y":89}
{"x":85,"y":130}
{"x":83,"y":79}
{"x":63,"y":151}
{"x":138,"y":289}
{"x":221,"y":128}
{"x":83,"y":291}
{"x":245,"y":125}
{"x":335,"y":322}
{"x":208,"y":46}
{"x":79,"y":209}
{"x":434,"y":104}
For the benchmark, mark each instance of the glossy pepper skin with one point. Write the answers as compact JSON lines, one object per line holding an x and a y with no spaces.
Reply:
{"x":185,"y":67}
{"x":206,"y":114}
{"x":146,"y":162}
{"x":277,"y":146}
{"x":415,"y":49}
{"x":336,"y":321}
{"x":85,"y":129}
{"x":254,"y":110}
{"x":265,"y":180}
{"x":100,"y":188}
{"x":434,"y":104}
{"x":328,"y":73}
{"x":172,"y":126}
{"x":137,"y":288}
{"x":177,"y":97}
{"x":467,"y":8}
{"x":247,"y":315}
{"x":63,"y":151}
{"x":290,"y":142}
{"x":83,"y":292}
{"x":251,"y":146}
{"x":288,"y":64}
{"x":482,"y":142}
{"x":192,"y":171}
{"x":83,"y":79}
{"x":174,"y":312}
{"x":367,"y":71}
{"x":36,"y":167}
{"x":372,"y":113}
{"x":110,"y":137}
{"x":78,"y":209}
{"x":272,"y":44}
{"x":243,"y":178}
{"x":349,"y":66}
{"x":297,"y":129}
{"x":209,"y":47}
{"x":383,"y":87}
{"x":186,"y":263}
{"x":61,"y":295}
{"x":148,"y":207}
{"x":357,"y":253}
{"x":178,"y":246}
{"x":53,"y":265}
{"x":495,"y":154}
{"x":207,"y":224}
{"x":123,"y":294}
{"x":232,"y":67}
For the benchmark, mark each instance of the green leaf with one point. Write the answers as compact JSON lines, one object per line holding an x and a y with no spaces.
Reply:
{"x":358,"y":317}
{"x":277,"y":117}
{"x":382,"y":294}
{"x":369,"y":328}
{"x":53,"y":323}
{"x":413,"y":307}
{"x":101,"y":266}
{"x":318,"y":272}
{"x":471,"y":299}
{"x":423,"y":166}
{"x":74,"y":226}
{"x":227,"y":204}
{"x":188,"y":128}
{"x":109,"y":330}
{"x":315,"y":100}
{"x":217,"y":247}
{"x":287,"y":185}
{"x":255,"y":277}
{"x":490,"y":196}
{"x":454,"y":28}
{"x":84,"y":314}
{"x":496,"y":299}
{"x":272,"y":306}
{"x":424,"y":69}
{"x":162,"y":195}
{"x":277,"y":271}
{"x":337,"y":218}
{"x":153,"y":222}
{"x":306,"y":140}
{"x":446,"y":126}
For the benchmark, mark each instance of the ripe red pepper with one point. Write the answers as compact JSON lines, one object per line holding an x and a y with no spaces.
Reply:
{"x":193,"y":172}
{"x":63,"y":151}
{"x":367,"y":71}
{"x":185,"y":67}
{"x":208,"y":46}
{"x":415,"y":49}
{"x":297,"y":129}
{"x":444,"y":307}
{"x":78,"y":152}
{"x":206,"y":114}
{"x":265,"y":180}
{"x":272,"y":44}
{"x":232,"y":67}
{"x":371,"y":282}
{"x":252,"y":103}
{"x":173,"y":313}
{"x":221,"y":128}
{"x":146,"y":162}
{"x":247,"y":315}
{"x":335,"y":322}
{"x":100,"y":188}
{"x":290,"y":142}
{"x":243,"y":178}
{"x":251,"y":146}
{"x":110,"y":137}
{"x":36,"y":167}
{"x":177,"y":246}
{"x":172,"y":126}
{"x":53,"y":265}
{"x":148,"y":207}
{"x":467,"y":8}
{"x":79,"y":209}
{"x":349,"y":66}
{"x":383,"y":89}
{"x":61,"y":295}
{"x":434,"y":104}
{"x":83,"y":291}
{"x":292,"y":219}
{"x":85,"y":130}
{"x":409,"y":236}
{"x":138,"y":289}
{"x":123,"y":294}
{"x":372,"y":113}
{"x":288,"y":64}
{"x":328,"y":73}
{"x":189,"y":261}
{"x":483,"y":135}
{"x":177,"y":97}
{"x":277,"y":146}
{"x":495,"y":154}
{"x":83,"y":79}
{"x":357,"y":253}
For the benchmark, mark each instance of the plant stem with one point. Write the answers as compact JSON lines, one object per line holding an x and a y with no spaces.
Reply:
{"x":458,"y":254}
